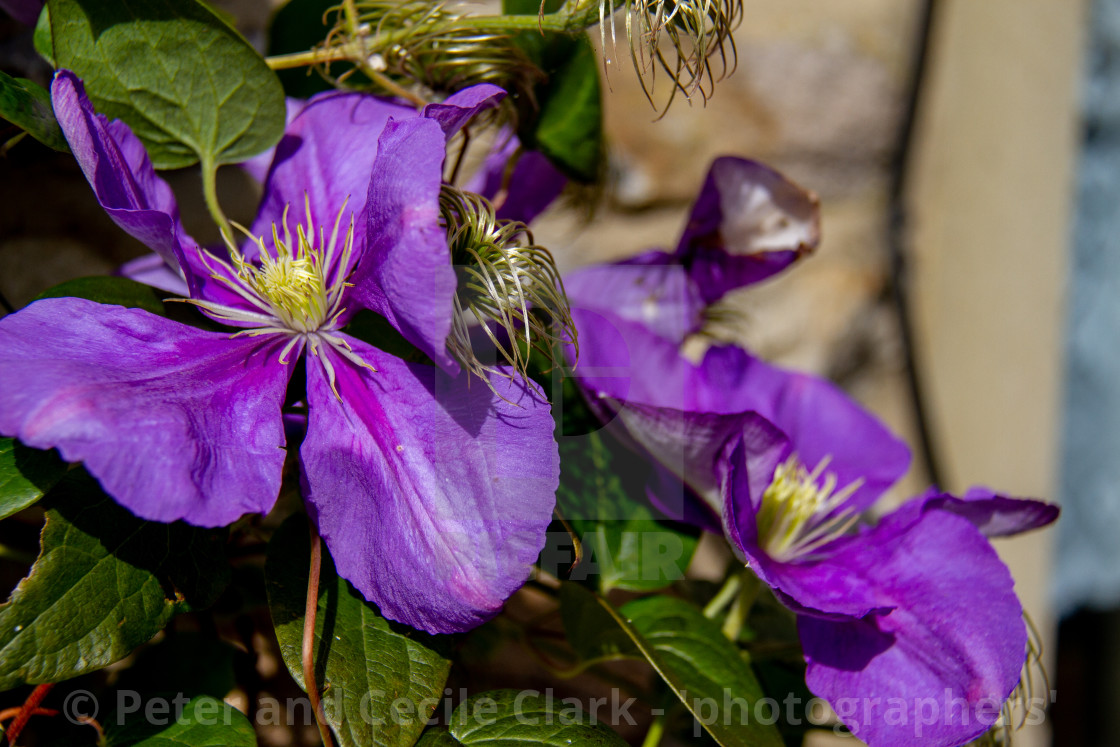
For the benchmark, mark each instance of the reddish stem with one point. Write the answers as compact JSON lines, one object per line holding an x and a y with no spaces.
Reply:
{"x":308,"y":651}
{"x":27,"y":711}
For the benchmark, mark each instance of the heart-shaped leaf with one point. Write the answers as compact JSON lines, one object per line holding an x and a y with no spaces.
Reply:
{"x":510,"y":718}
{"x":28,"y":106}
{"x":380,"y":681}
{"x":26,"y":474}
{"x":105,"y":582}
{"x":189,"y":86}
{"x":706,"y":671}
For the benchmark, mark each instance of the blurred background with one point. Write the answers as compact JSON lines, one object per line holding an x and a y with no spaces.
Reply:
{"x":967,"y":156}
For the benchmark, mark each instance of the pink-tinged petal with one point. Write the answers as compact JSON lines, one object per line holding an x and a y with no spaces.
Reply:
{"x":176,"y":422}
{"x":652,"y":290}
{"x":533,"y":185}
{"x":936,"y":669}
{"x":995,"y":515}
{"x":821,"y":421}
{"x":748,"y":223}
{"x":625,"y":360}
{"x":152,"y":270}
{"x":432,"y":494}
{"x":462,"y":106}
{"x":258,"y":166}
{"x":405,"y":271}
{"x":327,"y":153}
{"x":120,"y":173}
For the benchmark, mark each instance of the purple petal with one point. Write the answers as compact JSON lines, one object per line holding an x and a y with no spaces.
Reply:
{"x":677,"y":501}
{"x":995,"y":515}
{"x":405,"y":272}
{"x":120,"y":173}
{"x":327,"y":154}
{"x":175,"y":422}
{"x":460,"y":107}
{"x":532,"y":187}
{"x":688,"y":443}
{"x":821,"y":421}
{"x":152,"y":270}
{"x":936,"y":669}
{"x":625,"y":361}
{"x":651,"y":290}
{"x":432,"y":494}
{"x":748,"y":223}
{"x":258,"y":166}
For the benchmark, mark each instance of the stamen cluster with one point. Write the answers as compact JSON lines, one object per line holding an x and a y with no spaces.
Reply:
{"x":296,"y":286}
{"x":505,"y":280}
{"x":798,"y":515}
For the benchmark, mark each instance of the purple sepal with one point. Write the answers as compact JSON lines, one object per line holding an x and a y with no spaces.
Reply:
{"x":994,"y":514}
{"x":175,"y":422}
{"x":326,"y":157}
{"x":936,"y":668}
{"x":630,"y":371}
{"x":533,"y":185}
{"x":121,"y":174}
{"x":432,"y":493}
{"x":150,"y":269}
{"x":405,"y":271}
{"x":748,"y":224}
{"x":462,"y":106}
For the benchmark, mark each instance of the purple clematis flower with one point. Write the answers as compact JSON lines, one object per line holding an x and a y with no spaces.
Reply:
{"x":635,"y":317}
{"x":910,"y":628}
{"x":432,"y":495}
{"x":912,"y":619}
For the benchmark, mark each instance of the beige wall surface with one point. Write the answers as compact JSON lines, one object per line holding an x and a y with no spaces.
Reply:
{"x":991,"y":205}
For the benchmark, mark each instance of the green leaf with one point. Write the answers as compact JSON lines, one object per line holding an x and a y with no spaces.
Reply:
{"x":507,"y":718}
{"x":26,"y":474}
{"x":566,"y":121}
{"x":105,"y":582}
{"x":28,"y":106}
{"x":117,"y":291}
{"x":569,"y":129}
{"x":602,"y":495}
{"x":380,"y":681}
{"x":41,"y":38}
{"x":203,"y":722}
{"x":705,"y":670}
{"x":189,"y":86}
{"x":114,"y":291}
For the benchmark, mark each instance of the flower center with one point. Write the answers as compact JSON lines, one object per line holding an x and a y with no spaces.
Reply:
{"x":292,"y":280}
{"x":296,"y":287}
{"x":798,"y":514}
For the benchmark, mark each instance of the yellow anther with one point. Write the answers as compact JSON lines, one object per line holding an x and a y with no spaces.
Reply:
{"x":798,"y":514}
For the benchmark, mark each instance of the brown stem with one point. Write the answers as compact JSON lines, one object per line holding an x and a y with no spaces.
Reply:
{"x":29,"y":707}
{"x":308,"y":651}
